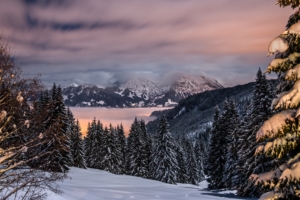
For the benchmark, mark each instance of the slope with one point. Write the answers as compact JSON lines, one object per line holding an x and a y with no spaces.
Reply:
{"x":192,"y":114}
{"x":93,"y":184}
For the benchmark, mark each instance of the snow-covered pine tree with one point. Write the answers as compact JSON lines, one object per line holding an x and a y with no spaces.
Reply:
{"x":94,"y":141}
{"x":77,"y":147}
{"x":280,"y":134}
{"x":182,"y":175}
{"x":122,"y":141}
{"x":192,"y":164}
{"x":133,"y":150}
{"x":145,"y":150}
{"x":232,"y":122}
{"x":70,"y":132}
{"x":260,"y":110}
{"x":59,"y":160}
{"x":216,"y":157}
{"x":87,"y":145}
{"x":199,"y":153}
{"x":165,"y":154}
{"x":115,"y":150}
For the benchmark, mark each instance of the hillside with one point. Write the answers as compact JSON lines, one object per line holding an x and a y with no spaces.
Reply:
{"x":192,"y":114}
{"x":93,"y":184}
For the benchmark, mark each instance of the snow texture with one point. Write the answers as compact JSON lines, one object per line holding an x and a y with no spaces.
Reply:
{"x":293,"y":74}
{"x":278,"y":45}
{"x":294,"y":29}
{"x":93,"y":184}
{"x":291,"y":99}
{"x":275,"y":123}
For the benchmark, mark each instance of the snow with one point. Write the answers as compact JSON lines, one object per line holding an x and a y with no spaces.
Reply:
{"x":293,"y":74}
{"x":294,"y":29}
{"x":275,"y":123}
{"x":292,"y":174}
{"x":264,"y":178}
{"x":93,"y":184}
{"x":290,"y":99}
{"x":100,"y":102}
{"x":278,"y":45}
{"x":270,"y":196}
{"x":170,"y":103}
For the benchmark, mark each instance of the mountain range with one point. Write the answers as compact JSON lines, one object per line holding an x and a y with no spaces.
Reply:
{"x":137,"y":92}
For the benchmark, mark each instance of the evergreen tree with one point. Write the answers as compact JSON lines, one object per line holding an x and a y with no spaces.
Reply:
{"x":77,"y":149}
{"x":199,"y":153}
{"x":231,"y":115}
{"x":96,"y":155}
{"x":216,"y":157}
{"x":279,"y":135}
{"x":260,"y":111}
{"x":192,"y":165}
{"x":182,"y":176}
{"x":165,"y":155}
{"x":122,"y":142}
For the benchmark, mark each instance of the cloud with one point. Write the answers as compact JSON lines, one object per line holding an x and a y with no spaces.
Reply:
{"x":68,"y":40}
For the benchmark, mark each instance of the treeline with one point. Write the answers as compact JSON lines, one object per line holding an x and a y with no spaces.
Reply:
{"x":231,"y":156}
{"x":157,"y":156}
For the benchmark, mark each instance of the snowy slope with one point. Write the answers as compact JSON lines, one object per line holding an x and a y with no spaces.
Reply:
{"x":142,"y":87}
{"x":93,"y":184}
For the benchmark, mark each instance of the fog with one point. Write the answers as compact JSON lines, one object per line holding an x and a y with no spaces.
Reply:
{"x":112,"y":115}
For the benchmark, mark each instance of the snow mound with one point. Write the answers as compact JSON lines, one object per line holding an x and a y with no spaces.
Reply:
{"x":278,"y":45}
{"x":274,"y":124}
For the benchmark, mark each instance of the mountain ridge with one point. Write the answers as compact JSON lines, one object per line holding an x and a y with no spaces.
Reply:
{"x":137,"y":92}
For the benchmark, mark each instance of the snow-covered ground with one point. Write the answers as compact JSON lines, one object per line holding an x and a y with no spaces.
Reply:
{"x":93,"y":184}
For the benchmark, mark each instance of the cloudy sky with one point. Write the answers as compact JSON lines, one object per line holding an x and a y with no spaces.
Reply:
{"x":99,"y":41}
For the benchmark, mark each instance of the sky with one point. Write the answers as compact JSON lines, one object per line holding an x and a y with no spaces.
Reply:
{"x":101,"y":41}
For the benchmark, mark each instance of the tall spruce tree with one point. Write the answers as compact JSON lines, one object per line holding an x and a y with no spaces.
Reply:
{"x":280,"y":134}
{"x":77,"y":150}
{"x":232,"y":137}
{"x":260,"y":111}
{"x":122,"y":141}
{"x":182,"y":176}
{"x":216,"y":157}
{"x":192,"y":164}
{"x":165,"y":154}
{"x":96,"y":144}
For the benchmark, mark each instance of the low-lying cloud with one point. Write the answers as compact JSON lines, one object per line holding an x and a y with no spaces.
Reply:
{"x":96,"y":41}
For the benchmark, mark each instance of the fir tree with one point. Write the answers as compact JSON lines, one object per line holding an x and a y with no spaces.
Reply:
{"x":260,"y":111}
{"x":232,"y":118}
{"x":165,"y":155}
{"x":216,"y":157}
{"x":77,"y":149}
{"x":192,"y":165}
{"x":182,"y":176}
{"x":122,"y":142}
{"x":279,"y":135}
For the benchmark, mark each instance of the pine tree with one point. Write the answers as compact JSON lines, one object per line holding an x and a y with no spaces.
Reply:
{"x":216,"y":157}
{"x":199,"y":153}
{"x":280,"y":134}
{"x":182,"y":176}
{"x":145,"y":150}
{"x":77,"y":149}
{"x":260,"y":111}
{"x":165,"y":154}
{"x":122,"y":141}
{"x":96,"y":155}
{"x":231,"y":144}
{"x":192,"y":165}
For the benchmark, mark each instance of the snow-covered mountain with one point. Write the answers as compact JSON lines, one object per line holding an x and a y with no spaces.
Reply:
{"x":142,"y":88}
{"x":188,"y":85}
{"x":137,"y":92}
